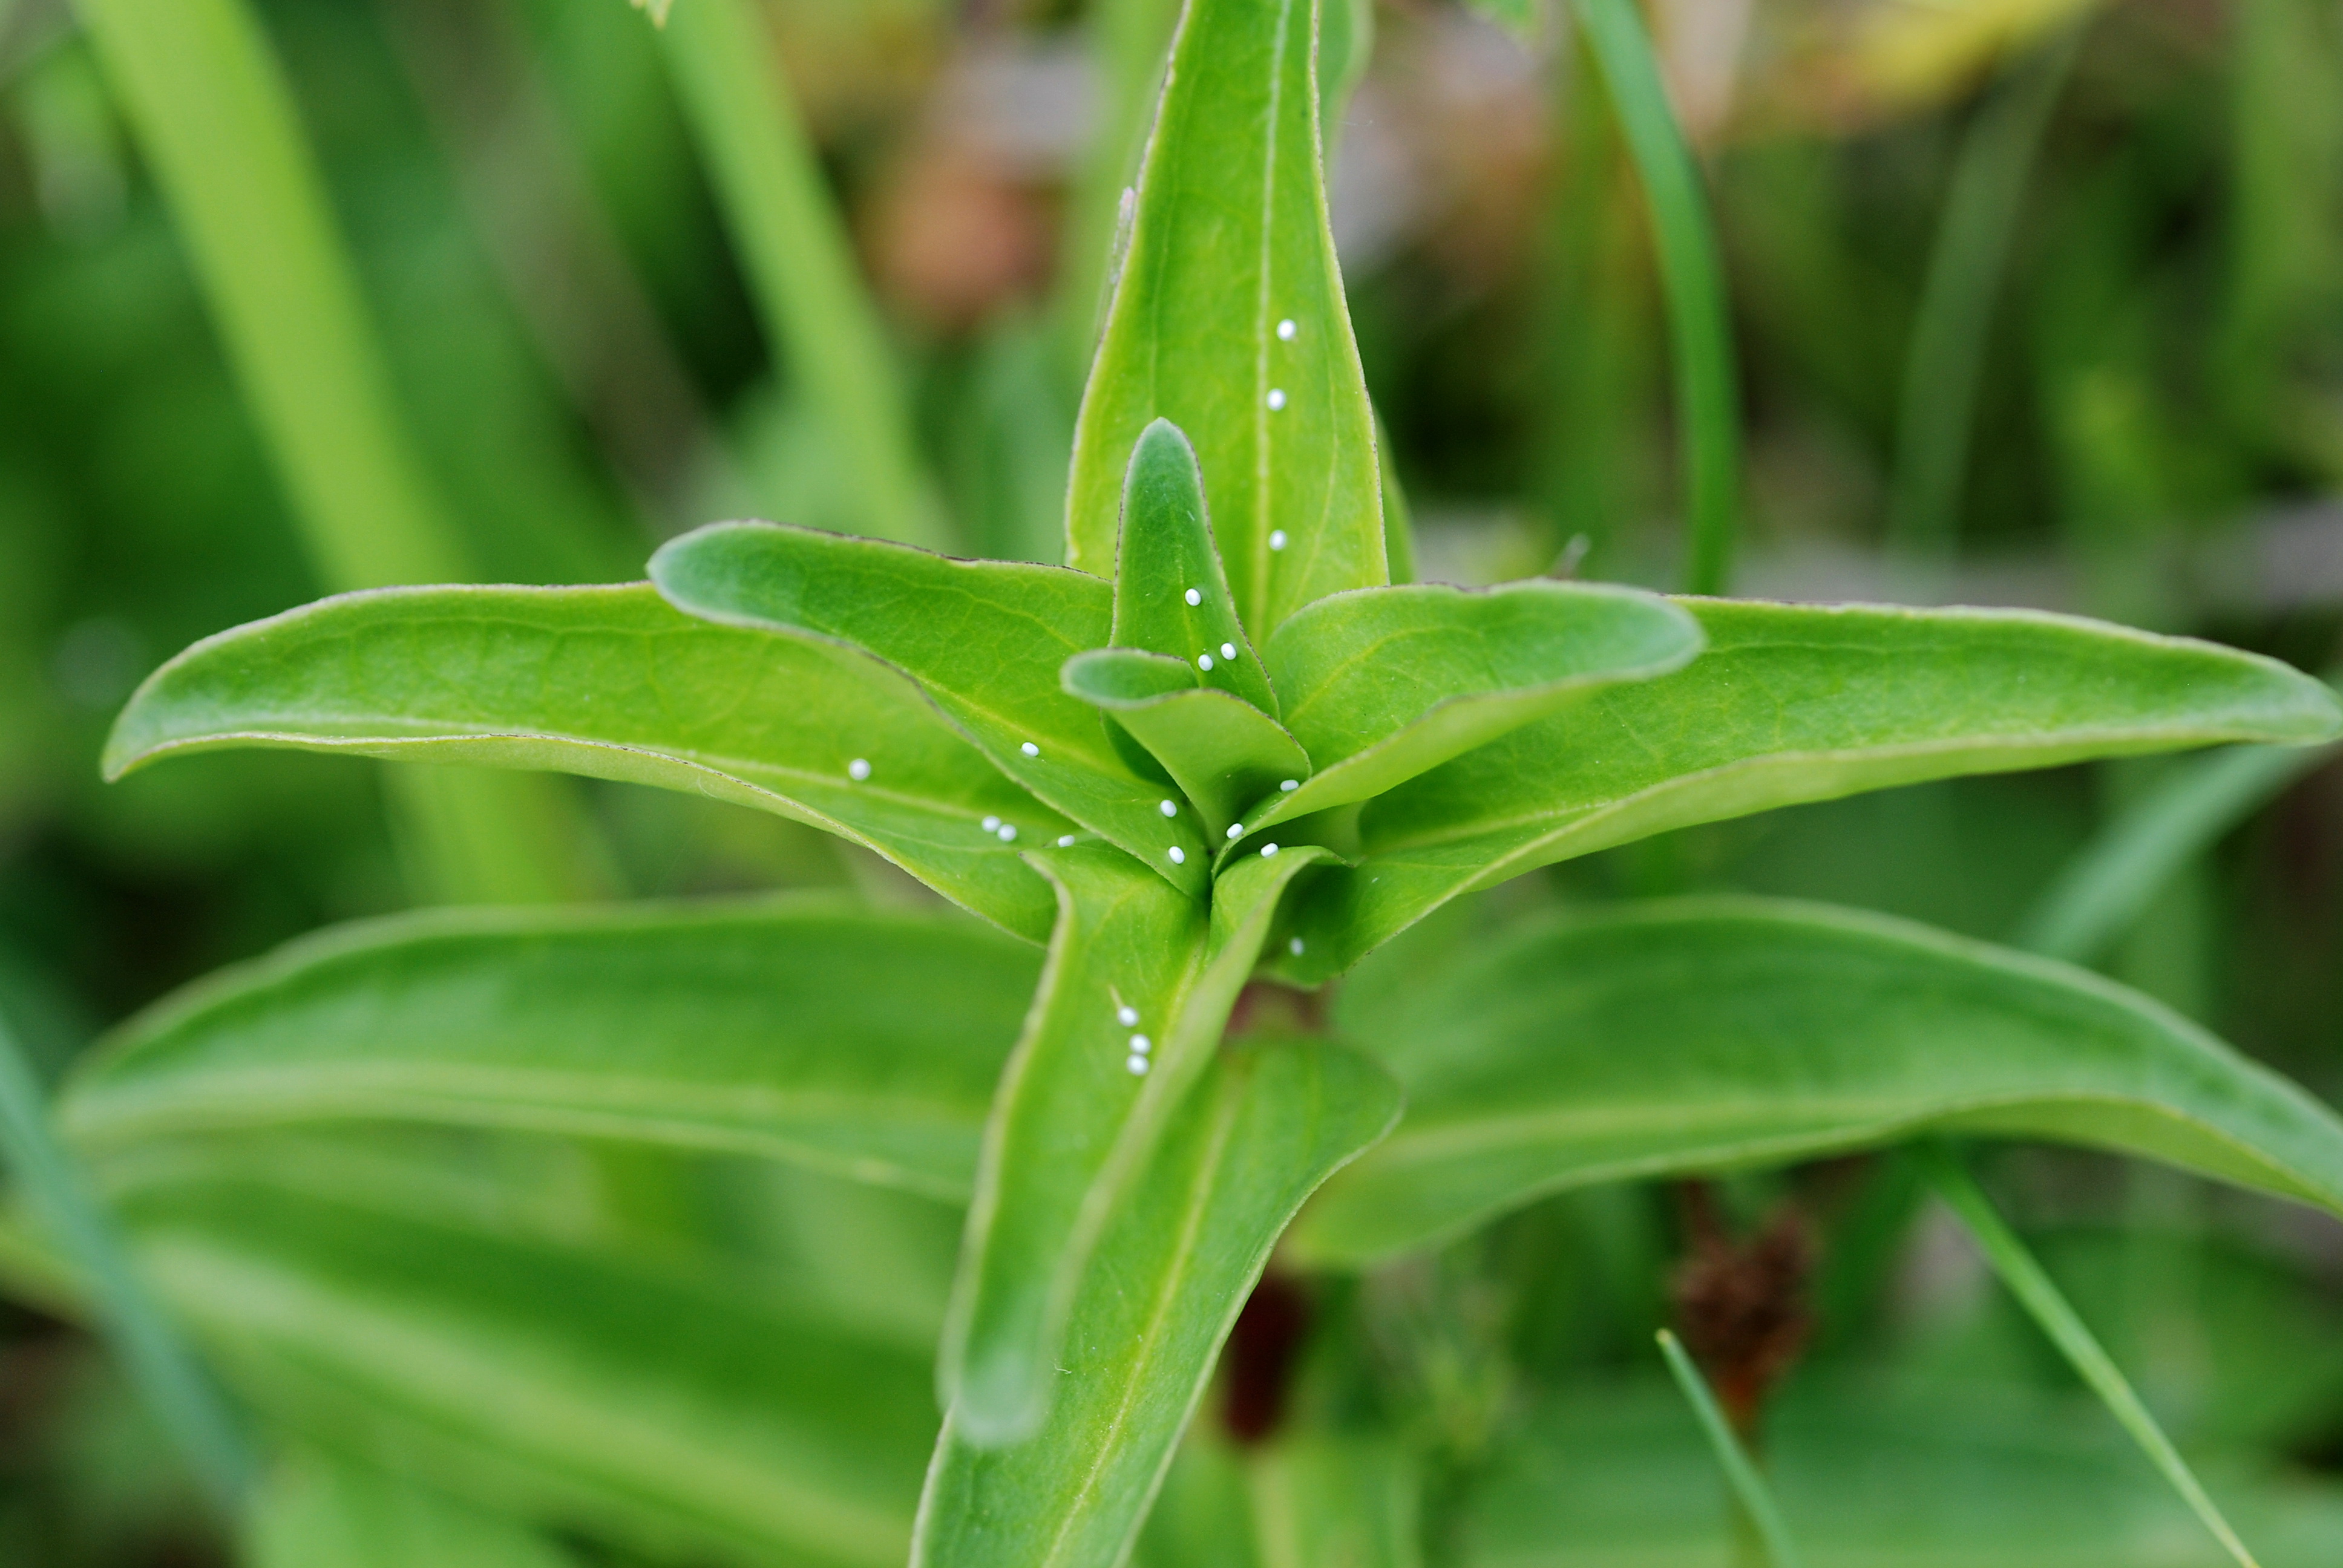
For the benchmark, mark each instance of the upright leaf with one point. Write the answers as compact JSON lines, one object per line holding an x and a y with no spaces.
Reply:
{"x":613,"y":684}
{"x":1125,"y":953}
{"x":1714,"y":1033}
{"x":984,"y":639}
{"x":1229,"y":320}
{"x":1171,"y":591}
{"x":216,"y":122}
{"x":1793,"y":703}
{"x":1700,"y":330}
{"x":781,"y":1029}
{"x":1267,"y":1123}
{"x":799,"y":260}
{"x":1132,"y":1004}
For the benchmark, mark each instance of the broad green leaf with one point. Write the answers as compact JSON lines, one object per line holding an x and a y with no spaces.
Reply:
{"x":1714,"y":1033}
{"x":613,"y":683}
{"x":1171,"y":592}
{"x":1229,"y":245}
{"x":1223,"y":752}
{"x":1125,"y":953}
{"x":1267,"y":1123}
{"x":781,"y":1029}
{"x":1380,"y":686}
{"x":318,"y":1511}
{"x":671,"y":1408}
{"x":1136,"y":994}
{"x":984,"y":639}
{"x":1794,"y":703}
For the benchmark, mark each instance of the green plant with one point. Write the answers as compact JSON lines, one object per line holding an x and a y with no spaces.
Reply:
{"x":1213,"y":764}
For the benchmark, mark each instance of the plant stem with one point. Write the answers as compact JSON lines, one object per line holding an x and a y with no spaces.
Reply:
{"x":176,"y":1388}
{"x":2049,"y":1308}
{"x":1938,"y":411}
{"x":216,"y":121}
{"x":801,"y":270}
{"x":1707,"y":395}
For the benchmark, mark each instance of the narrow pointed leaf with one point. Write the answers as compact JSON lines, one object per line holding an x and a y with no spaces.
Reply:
{"x":321,"y":1512}
{"x":2049,"y":1308}
{"x":1229,"y":243}
{"x":613,"y":683}
{"x":1267,"y":1123}
{"x":2099,"y":893}
{"x":1749,"y":1488}
{"x":678,"y":1411}
{"x":1793,"y":703}
{"x":1383,"y":686}
{"x":1167,"y":554}
{"x":984,"y":639}
{"x":1083,"y":1107}
{"x":1222,"y":751}
{"x":781,"y":1030}
{"x":1715,"y":1033}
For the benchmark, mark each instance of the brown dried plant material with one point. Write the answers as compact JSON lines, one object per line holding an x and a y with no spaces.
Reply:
{"x":1741,"y":1306}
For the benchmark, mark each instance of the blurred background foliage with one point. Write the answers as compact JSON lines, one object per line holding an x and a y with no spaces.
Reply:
{"x":2148,"y":308}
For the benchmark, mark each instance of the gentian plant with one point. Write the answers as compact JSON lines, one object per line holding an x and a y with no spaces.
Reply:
{"x":1183,"y":784}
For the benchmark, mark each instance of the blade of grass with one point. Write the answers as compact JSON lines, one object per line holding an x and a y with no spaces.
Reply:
{"x":1936,"y":419}
{"x":177,"y":1390}
{"x":817,"y":315}
{"x":216,"y":121}
{"x":2101,"y":890}
{"x":2049,"y":1308}
{"x":1707,"y":395}
{"x":1749,"y":1488}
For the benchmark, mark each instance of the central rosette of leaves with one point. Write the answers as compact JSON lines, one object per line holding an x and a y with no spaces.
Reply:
{"x":1143,"y":713}
{"x":1185,"y":771}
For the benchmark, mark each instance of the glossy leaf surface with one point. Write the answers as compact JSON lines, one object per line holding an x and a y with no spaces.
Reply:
{"x":1793,"y":703}
{"x":1166,"y":555}
{"x":1715,"y":1033}
{"x":1266,"y":1125}
{"x":859,"y":1043}
{"x":984,"y":639}
{"x":1381,"y":686}
{"x":1229,"y":243}
{"x":1223,"y":752}
{"x":1084,"y":1106}
{"x":547,"y":1382}
{"x":613,"y":683}
{"x":1124,"y":955}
